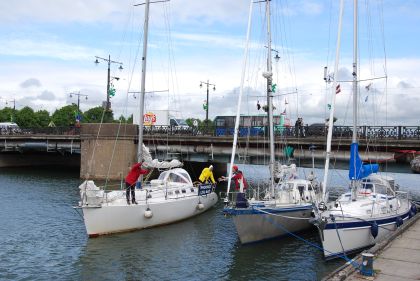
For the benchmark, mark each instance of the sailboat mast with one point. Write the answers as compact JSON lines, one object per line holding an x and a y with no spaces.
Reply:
{"x":270,"y":97}
{"x":331,"y":120}
{"x":241,"y":90}
{"x":143,"y":81}
{"x":355,"y":94}
{"x":355,"y":84}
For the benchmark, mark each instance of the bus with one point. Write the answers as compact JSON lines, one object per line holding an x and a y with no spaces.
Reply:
{"x":253,"y":125}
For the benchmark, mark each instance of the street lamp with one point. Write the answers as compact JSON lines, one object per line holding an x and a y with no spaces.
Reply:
{"x":207,"y":102}
{"x":14,"y":108}
{"x":109,"y":61}
{"x":78,"y":94}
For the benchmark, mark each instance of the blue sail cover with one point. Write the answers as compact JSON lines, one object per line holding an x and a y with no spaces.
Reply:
{"x":357,"y":169}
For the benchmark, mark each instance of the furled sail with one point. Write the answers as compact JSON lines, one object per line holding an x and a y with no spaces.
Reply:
{"x":149,"y":162}
{"x":357,"y":169}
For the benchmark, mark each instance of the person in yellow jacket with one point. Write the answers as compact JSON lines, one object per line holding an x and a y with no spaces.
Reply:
{"x":207,"y":175}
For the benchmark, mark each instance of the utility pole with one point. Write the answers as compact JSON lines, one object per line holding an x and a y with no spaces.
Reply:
{"x":207,"y":102}
{"x":109,"y":61}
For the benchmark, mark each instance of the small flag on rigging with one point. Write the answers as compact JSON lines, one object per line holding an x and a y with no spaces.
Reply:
{"x":337,"y":89}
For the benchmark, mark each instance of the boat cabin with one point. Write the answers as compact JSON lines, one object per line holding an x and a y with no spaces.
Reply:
{"x":173,"y":177}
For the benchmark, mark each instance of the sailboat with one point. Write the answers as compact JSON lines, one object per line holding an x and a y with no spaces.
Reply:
{"x":374,"y":207}
{"x":287,"y":205}
{"x":170,"y":198}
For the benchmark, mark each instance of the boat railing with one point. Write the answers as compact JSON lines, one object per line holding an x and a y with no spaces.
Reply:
{"x":403,"y":196}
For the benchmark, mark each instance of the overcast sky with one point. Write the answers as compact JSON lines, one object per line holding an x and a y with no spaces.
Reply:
{"x":47,"y":50}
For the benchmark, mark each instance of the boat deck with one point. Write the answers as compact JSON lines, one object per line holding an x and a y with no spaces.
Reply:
{"x":396,"y":258}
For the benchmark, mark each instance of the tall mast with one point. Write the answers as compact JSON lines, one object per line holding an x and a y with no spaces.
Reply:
{"x":269,"y":77}
{"x":143,"y":81}
{"x":241,"y":89}
{"x":355,"y":86}
{"x":330,"y":123}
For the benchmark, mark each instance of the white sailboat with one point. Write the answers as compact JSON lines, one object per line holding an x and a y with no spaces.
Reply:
{"x":170,"y":198}
{"x":286,"y":205}
{"x":374,"y":208}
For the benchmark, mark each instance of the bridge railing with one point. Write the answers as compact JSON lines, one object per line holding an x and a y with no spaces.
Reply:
{"x":377,"y":132}
{"x":41,"y":131}
{"x":371,"y":132}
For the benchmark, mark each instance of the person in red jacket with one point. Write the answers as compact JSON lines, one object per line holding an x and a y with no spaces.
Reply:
{"x":238,"y":178}
{"x":130,"y":181}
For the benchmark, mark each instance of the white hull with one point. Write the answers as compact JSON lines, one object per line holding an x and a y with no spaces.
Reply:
{"x":112,"y":218}
{"x":260,"y":226}
{"x":355,"y":238}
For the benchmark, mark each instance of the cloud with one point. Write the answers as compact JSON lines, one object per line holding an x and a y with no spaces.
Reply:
{"x":403,"y":85}
{"x":46,"y":96}
{"x":45,"y":47}
{"x":31,"y":82}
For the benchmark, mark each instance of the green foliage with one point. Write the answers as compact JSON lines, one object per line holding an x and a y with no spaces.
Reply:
{"x":26,"y":118}
{"x":43,"y":118}
{"x":129,"y":120}
{"x":65,"y":116}
{"x":6,"y":114}
{"x":94,"y":115}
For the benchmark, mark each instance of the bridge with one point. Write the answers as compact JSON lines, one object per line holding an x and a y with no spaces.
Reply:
{"x":94,"y":148}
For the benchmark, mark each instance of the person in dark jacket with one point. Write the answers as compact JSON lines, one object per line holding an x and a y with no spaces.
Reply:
{"x":130,"y":181}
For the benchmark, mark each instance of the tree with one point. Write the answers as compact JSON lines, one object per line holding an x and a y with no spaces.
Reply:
{"x":65,"y":116}
{"x":6,"y":114}
{"x":94,"y":115}
{"x":26,"y":118}
{"x":43,"y":118}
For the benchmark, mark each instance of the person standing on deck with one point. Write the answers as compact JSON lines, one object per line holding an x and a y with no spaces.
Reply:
{"x":207,"y":175}
{"x":130,"y":181}
{"x":238,"y":178}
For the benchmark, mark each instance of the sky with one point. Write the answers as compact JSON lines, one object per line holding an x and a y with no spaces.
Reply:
{"x":48,"y":48}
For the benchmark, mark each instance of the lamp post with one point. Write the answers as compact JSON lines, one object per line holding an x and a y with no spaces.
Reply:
{"x":78,"y":94}
{"x":109,"y":61}
{"x":207,"y":102}
{"x":14,"y":108}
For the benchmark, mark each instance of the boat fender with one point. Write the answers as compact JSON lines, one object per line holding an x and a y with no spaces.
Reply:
{"x":374,"y":229}
{"x":413,"y":209}
{"x":399,"y":221}
{"x":148,"y":213}
{"x":200,"y":206}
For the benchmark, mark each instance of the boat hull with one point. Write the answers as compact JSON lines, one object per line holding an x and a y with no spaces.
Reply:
{"x":253,"y":225}
{"x":355,"y":235}
{"x":108,"y":219}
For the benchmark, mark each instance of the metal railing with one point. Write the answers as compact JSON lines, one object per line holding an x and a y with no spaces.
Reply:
{"x":67,"y":130}
{"x":317,"y":131}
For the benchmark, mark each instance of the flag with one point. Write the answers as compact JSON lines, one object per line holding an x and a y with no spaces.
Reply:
{"x":111,"y":91}
{"x":329,"y":106}
{"x":366,"y":99}
{"x":337,"y":89}
{"x":273,"y":88}
{"x":285,"y":101}
{"x":205,"y":105}
{"x":258,"y":105}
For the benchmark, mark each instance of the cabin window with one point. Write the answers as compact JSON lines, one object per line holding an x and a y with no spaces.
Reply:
{"x":183,"y":191}
{"x":176,"y":191}
{"x":192,"y":189}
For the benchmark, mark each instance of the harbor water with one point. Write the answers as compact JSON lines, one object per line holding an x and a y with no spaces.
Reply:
{"x":43,"y":238}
